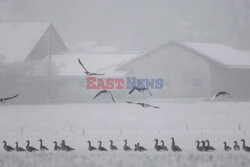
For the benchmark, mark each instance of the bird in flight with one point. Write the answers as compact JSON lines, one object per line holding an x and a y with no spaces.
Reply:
{"x":142,"y":104}
{"x":106,"y":92}
{"x":221,"y":93}
{"x":86,"y":71}
{"x":8,"y":98}
{"x":141,"y":90}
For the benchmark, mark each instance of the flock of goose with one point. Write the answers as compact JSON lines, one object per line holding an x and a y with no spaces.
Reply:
{"x":205,"y":147}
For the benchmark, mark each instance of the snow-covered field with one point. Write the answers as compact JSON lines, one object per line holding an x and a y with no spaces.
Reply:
{"x":187,"y":121}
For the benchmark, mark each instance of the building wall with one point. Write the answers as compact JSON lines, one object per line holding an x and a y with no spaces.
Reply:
{"x":184,"y":72}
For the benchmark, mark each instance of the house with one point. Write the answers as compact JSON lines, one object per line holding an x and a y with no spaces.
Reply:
{"x":72,"y":79}
{"x":23,"y":47}
{"x":21,"y":42}
{"x":194,"y":70}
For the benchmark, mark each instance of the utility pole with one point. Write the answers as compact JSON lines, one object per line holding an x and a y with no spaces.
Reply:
{"x":48,"y":37}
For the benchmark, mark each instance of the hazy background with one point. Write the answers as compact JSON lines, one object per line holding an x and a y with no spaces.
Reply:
{"x":138,"y":24}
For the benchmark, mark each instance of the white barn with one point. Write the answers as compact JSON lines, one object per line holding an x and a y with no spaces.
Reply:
{"x":194,"y":69}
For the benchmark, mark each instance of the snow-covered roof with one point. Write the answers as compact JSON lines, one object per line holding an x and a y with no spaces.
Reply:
{"x":17,"y":40}
{"x":220,"y":53}
{"x":94,"y":62}
{"x":217,"y":52}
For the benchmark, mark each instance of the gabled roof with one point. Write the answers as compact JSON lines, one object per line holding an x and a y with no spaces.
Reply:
{"x":220,"y":53}
{"x":216,"y":52}
{"x":17,"y":40}
{"x":94,"y":62}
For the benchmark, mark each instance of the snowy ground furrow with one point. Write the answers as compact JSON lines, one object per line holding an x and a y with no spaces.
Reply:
{"x":122,"y":159}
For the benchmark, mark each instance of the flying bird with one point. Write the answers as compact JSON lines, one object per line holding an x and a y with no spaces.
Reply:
{"x":86,"y":71}
{"x":221,"y":93}
{"x":8,"y":98}
{"x":141,"y":90}
{"x":142,"y":104}
{"x":106,"y":92}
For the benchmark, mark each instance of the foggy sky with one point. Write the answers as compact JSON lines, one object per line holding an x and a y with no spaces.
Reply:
{"x":138,"y":24}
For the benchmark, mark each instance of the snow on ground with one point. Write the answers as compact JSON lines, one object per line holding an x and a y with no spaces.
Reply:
{"x":187,"y":121}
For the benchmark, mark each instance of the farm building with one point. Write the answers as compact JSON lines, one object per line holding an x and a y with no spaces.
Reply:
{"x":23,"y":47}
{"x":21,"y":42}
{"x":194,"y":70}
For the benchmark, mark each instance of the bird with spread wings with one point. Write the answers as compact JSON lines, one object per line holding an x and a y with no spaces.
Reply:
{"x":105,"y":92}
{"x":142,"y":104}
{"x":221,"y":93}
{"x":86,"y":71}
{"x":7,"y":98}
{"x":141,"y":90}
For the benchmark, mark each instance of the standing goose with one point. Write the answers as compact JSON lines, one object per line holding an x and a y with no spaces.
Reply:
{"x":244,"y":147}
{"x":42,"y":147}
{"x":126,"y":147}
{"x":157,"y":147}
{"x":174,"y":147}
{"x":30,"y":148}
{"x":203,"y":146}
{"x":90,"y":148}
{"x":65,"y":147}
{"x":56,"y":147}
{"x":209,"y":148}
{"x":6,"y":147}
{"x":19,"y":149}
{"x":236,"y":146}
{"x":140,"y":148}
{"x":198,"y":147}
{"x":136,"y":148}
{"x":227,"y":148}
{"x":100,"y":148}
{"x":112,"y":147}
{"x":163,"y":147}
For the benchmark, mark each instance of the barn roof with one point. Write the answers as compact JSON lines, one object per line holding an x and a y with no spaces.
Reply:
{"x":220,"y":53}
{"x":216,"y":52}
{"x":17,"y":40}
{"x":94,"y":62}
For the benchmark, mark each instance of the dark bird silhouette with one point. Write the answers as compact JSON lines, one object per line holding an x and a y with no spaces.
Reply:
{"x":209,"y":148}
{"x":6,"y":147}
{"x":19,"y":149}
{"x":112,"y":147}
{"x":221,"y":93}
{"x":66,"y":147}
{"x":236,"y":146}
{"x":56,"y":147}
{"x":157,"y":147}
{"x":100,"y":148}
{"x":126,"y":147}
{"x":227,"y":148}
{"x":203,"y":146}
{"x":140,"y":148}
{"x":86,"y":71}
{"x":163,"y":147}
{"x":198,"y":147}
{"x":174,"y":147}
{"x":8,"y":98}
{"x":29,"y":148}
{"x":90,"y":148}
{"x":244,"y":147}
{"x":141,"y":90}
{"x":136,"y":148}
{"x":42,"y":147}
{"x":106,"y":92}
{"x":142,"y":104}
